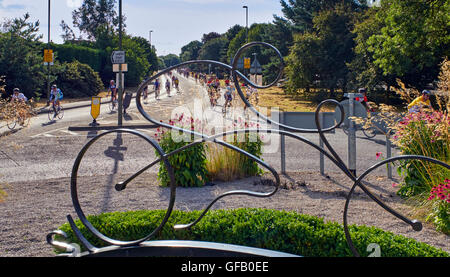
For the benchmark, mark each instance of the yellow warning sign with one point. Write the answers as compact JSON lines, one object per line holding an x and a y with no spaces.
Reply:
{"x":48,"y":55}
{"x":246,"y":63}
{"x":95,"y":106}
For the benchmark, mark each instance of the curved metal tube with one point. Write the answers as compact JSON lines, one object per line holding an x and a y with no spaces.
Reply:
{"x":201,"y":138}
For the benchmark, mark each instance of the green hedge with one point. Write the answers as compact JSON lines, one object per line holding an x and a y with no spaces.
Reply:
{"x":289,"y":232}
{"x":72,"y":52}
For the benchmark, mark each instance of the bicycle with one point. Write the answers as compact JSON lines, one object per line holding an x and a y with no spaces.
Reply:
{"x":369,"y":132}
{"x":18,"y":113}
{"x":224,"y":107}
{"x":53,"y":112}
{"x":113,"y":105}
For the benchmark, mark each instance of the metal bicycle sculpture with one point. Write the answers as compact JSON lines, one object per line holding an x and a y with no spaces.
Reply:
{"x":145,"y":247}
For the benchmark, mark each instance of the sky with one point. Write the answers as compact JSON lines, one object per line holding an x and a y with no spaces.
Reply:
{"x":174,"y":23}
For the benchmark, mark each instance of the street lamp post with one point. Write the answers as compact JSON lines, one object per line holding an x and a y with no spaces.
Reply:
{"x":246,"y":23}
{"x":150,"y":38}
{"x":48,"y":47}
{"x":120,"y":67}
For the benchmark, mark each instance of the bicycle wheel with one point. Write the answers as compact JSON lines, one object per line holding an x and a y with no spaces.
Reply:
{"x":51,"y":113}
{"x":112,"y":106}
{"x":60,"y":113}
{"x":369,"y":132}
{"x":345,"y":129}
{"x":11,"y":123}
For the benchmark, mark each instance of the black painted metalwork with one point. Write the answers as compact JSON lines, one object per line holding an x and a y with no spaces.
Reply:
{"x":144,"y":247}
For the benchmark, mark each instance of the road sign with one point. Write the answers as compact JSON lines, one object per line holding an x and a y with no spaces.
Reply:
{"x":246,"y":63}
{"x":118,"y":57}
{"x":95,"y":106}
{"x":116,"y":67}
{"x":48,"y":55}
{"x":256,"y":67}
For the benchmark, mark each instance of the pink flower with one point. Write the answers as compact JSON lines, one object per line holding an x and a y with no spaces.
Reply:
{"x":378,"y":155}
{"x":394,"y":185}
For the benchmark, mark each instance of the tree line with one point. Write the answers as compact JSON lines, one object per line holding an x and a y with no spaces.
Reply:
{"x":336,"y":46}
{"x":330,"y":46}
{"x":82,"y":65}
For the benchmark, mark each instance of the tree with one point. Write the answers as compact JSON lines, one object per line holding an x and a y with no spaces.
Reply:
{"x":299,"y":14}
{"x":413,"y":41}
{"x":209,"y":36}
{"x":21,"y":57}
{"x":95,"y":14}
{"x":327,"y":49}
{"x":170,"y":60}
{"x":364,"y":72}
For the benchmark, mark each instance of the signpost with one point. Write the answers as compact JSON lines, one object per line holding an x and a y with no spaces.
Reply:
{"x":118,"y":57}
{"x":48,"y":56}
{"x":246,"y":63}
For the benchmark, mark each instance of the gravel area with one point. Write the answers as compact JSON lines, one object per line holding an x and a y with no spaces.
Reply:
{"x":33,"y":209}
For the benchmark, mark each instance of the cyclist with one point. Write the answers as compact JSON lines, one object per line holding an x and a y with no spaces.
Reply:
{"x":56,"y":96}
{"x":168,"y":87}
{"x":145,"y":92}
{"x":113,"y":91}
{"x":228,"y":95}
{"x":420,"y":102}
{"x":18,"y":96}
{"x":363,"y":100}
{"x":177,"y":82}
{"x":157,"y":86}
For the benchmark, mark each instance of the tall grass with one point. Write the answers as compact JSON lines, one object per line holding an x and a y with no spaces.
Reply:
{"x":224,"y":164}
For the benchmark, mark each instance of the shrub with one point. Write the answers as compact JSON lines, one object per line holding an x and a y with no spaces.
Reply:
{"x":78,"y":80}
{"x":288,"y":232}
{"x":189,"y":165}
{"x":440,"y":215}
{"x":425,"y":134}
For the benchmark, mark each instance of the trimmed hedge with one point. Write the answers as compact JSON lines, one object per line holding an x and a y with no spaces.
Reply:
{"x":289,"y":232}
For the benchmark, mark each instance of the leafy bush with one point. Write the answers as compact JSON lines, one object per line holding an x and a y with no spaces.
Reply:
{"x":440,"y":215}
{"x":78,"y":80}
{"x":425,"y":134}
{"x":288,"y":232}
{"x":71,"y":52}
{"x":189,"y":165}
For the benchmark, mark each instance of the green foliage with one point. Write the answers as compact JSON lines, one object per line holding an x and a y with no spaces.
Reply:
{"x":426,"y":135}
{"x":288,"y":232}
{"x":78,"y":80}
{"x":70,"y":52}
{"x":21,"y":57}
{"x":320,"y":56}
{"x":189,"y":165}
{"x":413,"y":40}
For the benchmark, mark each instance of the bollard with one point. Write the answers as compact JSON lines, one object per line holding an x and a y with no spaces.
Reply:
{"x":95,"y":109}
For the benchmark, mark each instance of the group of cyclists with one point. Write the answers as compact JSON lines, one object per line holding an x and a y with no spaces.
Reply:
{"x":213,"y":86}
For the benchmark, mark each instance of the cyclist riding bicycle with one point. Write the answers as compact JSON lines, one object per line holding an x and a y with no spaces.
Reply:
{"x":177,"y":82}
{"x":420,"y":102}
{"x":56,"y":96}
{"x":168,"y":87}
{"x":157,"y":86}
{"x":228,"y":95}
{"x":113,"y":91}
{"x":18,"y":96}
{"x":363,"y":100}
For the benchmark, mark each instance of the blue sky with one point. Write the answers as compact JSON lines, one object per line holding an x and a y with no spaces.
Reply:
{"x":175,"y":23}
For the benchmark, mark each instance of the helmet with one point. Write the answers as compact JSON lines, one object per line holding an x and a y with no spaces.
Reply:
{"x":16,"y":90}
{"x":54,"y":86}
{"x":427,"y":92}
{"x":362,"y":90}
